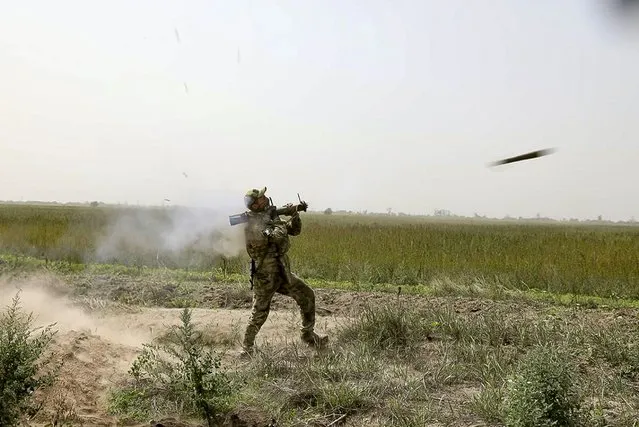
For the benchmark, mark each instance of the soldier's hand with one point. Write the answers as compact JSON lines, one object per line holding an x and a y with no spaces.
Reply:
{"x":302,"y":206}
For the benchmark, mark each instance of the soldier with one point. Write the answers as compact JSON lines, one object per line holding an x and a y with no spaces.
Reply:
{"x":267,"y":243}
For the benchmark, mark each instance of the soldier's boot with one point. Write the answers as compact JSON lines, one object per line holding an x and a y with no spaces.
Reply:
{"x":314,"y":340}
{"x":248,"y":348}
{"x":308,"y":329}
{"x":247,"y":352}
{"x":248,"y":345}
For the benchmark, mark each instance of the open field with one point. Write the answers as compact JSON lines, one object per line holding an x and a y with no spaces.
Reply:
{"x":478,"y":323}
{"x":556,"y":257}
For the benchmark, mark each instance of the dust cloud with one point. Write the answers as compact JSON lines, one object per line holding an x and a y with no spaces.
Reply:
{"x":39,"y":296}
{"x":175,"y":235}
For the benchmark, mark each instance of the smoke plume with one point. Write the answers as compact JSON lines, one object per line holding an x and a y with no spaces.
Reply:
{"x":175,"y":236}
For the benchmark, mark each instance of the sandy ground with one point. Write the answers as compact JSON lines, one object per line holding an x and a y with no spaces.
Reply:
{"x":99,"y":345}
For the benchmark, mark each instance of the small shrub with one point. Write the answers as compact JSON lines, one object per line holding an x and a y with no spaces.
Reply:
{"x":544,"y":391}
{"x":388,"y":326}
{"x":25,"y":367}
{"x":179,"y":375}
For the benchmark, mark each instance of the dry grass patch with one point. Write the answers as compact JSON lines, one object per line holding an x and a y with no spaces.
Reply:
{"x":401,"y":364}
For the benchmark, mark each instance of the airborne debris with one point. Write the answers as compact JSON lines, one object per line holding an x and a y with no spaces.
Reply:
{"x":527,"y":156}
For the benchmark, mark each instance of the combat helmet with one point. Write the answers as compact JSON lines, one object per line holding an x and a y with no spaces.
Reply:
{"x":252,"y":195}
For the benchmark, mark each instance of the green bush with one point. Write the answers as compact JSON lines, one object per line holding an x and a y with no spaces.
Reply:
{"x":178,"y":376}
{"x":543,"y":391}
{"x":25,"y":366}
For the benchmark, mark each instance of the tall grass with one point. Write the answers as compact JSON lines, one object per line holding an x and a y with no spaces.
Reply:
{"x":600,"y":260}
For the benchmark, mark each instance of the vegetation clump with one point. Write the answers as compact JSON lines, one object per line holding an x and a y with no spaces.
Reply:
{"x":544,"y":391}
{"x":180,"y":376}
{"x":26,"y":365}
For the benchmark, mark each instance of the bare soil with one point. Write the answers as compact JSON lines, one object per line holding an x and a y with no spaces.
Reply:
{"x":99,"y":339}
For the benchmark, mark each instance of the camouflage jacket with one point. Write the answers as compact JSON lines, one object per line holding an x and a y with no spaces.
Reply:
{"x":267,"y":234}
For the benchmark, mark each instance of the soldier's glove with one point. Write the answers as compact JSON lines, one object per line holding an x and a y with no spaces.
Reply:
{"x":302,"y":206}
{"x":292,"y":209}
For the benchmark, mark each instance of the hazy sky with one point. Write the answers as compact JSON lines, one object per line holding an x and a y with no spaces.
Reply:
{"x":354,"y":104}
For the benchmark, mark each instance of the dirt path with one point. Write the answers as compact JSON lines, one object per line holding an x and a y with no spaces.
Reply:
{"x":98,"y":346}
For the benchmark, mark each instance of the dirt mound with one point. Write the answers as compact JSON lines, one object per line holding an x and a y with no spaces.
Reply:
{"x":97,"y":347}
{"x":92,"y":365}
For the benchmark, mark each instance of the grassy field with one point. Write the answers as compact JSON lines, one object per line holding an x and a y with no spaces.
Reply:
{"x":476,"y":337}
{"x":599,"y":260}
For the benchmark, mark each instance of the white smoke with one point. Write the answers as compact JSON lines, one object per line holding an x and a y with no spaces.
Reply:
{"x":173,"y":235}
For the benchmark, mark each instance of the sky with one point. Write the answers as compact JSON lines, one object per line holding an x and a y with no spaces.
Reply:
{"x":356,"y":105}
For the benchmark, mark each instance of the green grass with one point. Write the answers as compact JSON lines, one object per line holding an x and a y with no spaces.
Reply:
{"x":433,"y":364}
{"x":564,"y":258}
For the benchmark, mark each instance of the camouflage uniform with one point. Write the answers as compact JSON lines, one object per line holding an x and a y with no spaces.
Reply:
{"x":267,"y":243}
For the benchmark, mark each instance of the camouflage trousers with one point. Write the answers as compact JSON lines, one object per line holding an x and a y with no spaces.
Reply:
{"x":274,"y":278}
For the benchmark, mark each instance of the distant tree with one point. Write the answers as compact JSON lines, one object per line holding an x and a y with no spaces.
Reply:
{"x":328,"y":211}
{"x":95,"y":204}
